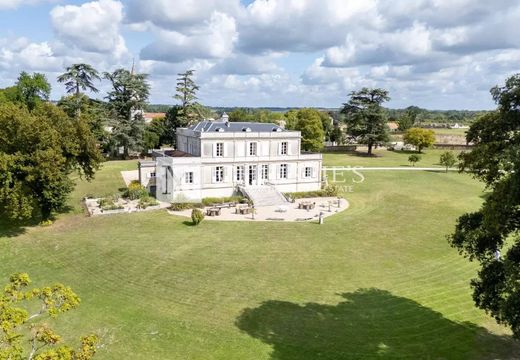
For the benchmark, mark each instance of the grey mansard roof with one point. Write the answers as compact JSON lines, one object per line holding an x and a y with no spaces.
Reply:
{"x":217,"y":126}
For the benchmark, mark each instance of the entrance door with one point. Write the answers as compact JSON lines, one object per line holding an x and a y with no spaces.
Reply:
{"x":252,"y":174}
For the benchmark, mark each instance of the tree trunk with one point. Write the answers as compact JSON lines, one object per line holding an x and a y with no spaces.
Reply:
{"x":46,"y":212}
{"x":370,"y":148}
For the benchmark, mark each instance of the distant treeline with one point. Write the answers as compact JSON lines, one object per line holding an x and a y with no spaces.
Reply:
{"x":423,"y":116}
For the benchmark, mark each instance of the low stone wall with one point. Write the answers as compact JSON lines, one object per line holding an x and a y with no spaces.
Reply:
{"x":453,"y":146}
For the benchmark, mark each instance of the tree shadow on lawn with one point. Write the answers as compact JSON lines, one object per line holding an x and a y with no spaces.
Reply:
{"x":13,"y":228}
{"x":370,"y":323}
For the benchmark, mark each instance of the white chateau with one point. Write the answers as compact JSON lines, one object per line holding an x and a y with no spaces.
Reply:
{"x":219,"y":158}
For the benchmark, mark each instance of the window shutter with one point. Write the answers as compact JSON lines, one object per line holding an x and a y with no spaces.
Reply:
{"x":226,"y":174}
{"x":214,"y":176}
{"x":279,"y":148}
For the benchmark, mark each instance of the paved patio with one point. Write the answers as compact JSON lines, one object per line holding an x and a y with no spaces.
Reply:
{"x":290,"y":212}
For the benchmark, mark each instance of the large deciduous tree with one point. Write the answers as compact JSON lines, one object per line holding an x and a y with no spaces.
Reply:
{"x":420,"y":138}
{"x":24,"y":336}
{"x":490,"y":235}
{"x":365,"y":117}
{"x":33,"y":89}
{"x":38,"y":152}
{"x":126,"y":100}
{"x":186,"y":93}
{"x":309,"y":123}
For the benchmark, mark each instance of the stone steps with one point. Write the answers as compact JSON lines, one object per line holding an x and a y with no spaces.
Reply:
{"x":264,"y":195}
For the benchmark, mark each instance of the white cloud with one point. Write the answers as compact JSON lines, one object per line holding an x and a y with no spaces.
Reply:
{"x":92,"y":26}
{"x":178,"y":15}
{"x":213,"y":39}
{"x":13,"y":4}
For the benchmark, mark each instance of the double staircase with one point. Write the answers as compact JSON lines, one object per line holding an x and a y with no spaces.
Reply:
{"x":264,"y":195}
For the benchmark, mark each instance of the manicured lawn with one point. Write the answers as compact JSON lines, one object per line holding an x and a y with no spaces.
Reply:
{"x":383,"y":157}
{"x":377,"y":281}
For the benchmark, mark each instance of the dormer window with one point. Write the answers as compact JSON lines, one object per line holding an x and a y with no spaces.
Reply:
{"x":277,"y":129}
{"x":246,"y":129}
{"x":219,"y":130}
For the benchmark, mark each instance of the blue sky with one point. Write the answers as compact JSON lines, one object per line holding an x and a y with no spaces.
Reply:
{"x":438,"y":54}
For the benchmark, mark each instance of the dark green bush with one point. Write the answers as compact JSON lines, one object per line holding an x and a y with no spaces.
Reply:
{"x":197,"y":216}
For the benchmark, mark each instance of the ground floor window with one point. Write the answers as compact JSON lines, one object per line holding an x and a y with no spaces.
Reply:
{"x":265,"y":172}
{"x":219,"y":174}
{"x":189,"y":177}
{"x":308,"y":172}
{"x":283,"y":171}
{"x":240,"y":173}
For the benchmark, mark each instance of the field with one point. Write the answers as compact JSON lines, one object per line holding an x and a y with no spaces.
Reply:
{"x":383,"y":157}
{"x":378,"y":281}
{"x":453,"y":132}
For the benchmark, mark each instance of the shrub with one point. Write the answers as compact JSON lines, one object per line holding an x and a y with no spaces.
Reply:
{"x":46,"y":223}
{"x":185,"y":206}
{"x":108,"y":203}
{"x":414,"y":158}
{"x":197,"y":216}
{"x":328,"y":191}
{"x":209,"y":201}
{"x":135,"y":191}
{"x":147,"y":201}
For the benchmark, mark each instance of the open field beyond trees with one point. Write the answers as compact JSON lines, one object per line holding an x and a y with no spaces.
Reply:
{"x":376,"y":281}
{"x":384,"y":158}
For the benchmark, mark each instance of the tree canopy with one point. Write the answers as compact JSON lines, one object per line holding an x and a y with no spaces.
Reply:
{"x":38,"y":152}
{"x":490,"y":235}
{"x":308,"y":122}
{"x":420,"y":138}
{"x":366,"y":118}
{"x":186,"y":93}
{"x":32,"y":89}
{"x":126,"y":101}
{"x":21,"y":336}
{"x":79,"y":77}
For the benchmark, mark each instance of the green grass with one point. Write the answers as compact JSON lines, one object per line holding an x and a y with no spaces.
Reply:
{"x":377,"y":281}
{"x":383,"y":157}
{"x":453,"y":132}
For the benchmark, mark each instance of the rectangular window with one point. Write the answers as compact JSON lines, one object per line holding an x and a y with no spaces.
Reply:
{"x":189,"y":177}
{"x":308,"y":172}
{"x":265,"y":172}
{"x":283,"y":148}
{"x":219,"y":151}
{"x":219,"y":174}
{"x":252,"y":149}
{"x":240,"y":173}
{"x":283,"y":171}
{"x":152,"y":174}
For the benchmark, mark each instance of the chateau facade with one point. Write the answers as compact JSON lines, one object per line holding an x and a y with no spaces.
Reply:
{"x":217,"y":158}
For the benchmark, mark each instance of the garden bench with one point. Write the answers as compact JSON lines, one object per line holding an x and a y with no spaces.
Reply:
{"x":213,"y":211}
